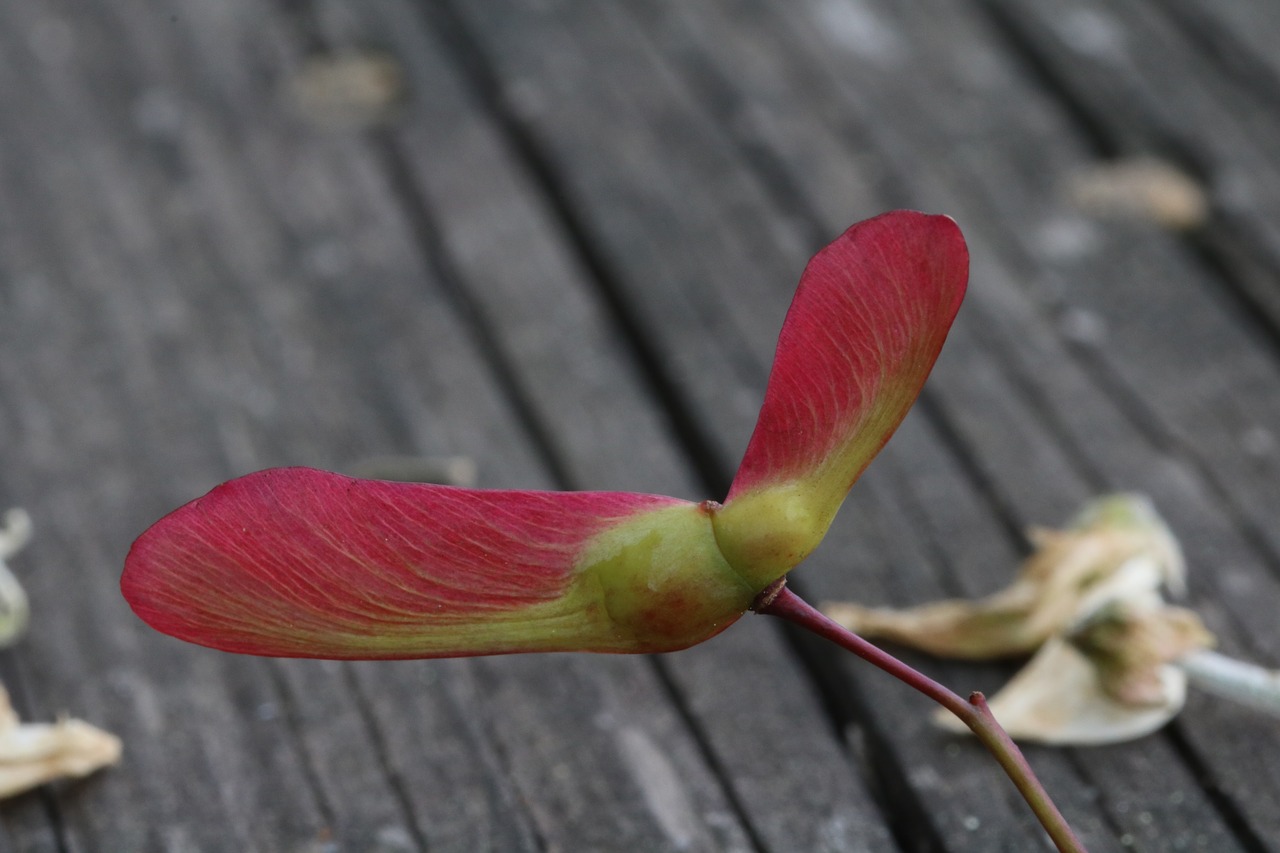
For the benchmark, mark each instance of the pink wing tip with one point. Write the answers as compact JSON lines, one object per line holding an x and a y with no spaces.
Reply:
{"x":867,"y":322}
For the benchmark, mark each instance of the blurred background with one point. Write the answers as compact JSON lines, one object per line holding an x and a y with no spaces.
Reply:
{"x":557,"y":239}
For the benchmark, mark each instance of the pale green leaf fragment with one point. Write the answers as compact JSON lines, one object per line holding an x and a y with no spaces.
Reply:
{"x":15,"y":610}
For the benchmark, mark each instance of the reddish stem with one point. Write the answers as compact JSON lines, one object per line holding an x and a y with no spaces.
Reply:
{"x":779,"y":601}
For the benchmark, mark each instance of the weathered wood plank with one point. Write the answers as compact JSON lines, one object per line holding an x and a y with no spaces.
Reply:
{"x":567,"y":255}
{"x":80,"y":417}
{"x":1095,"y":426}
{"x":611,"y":432}
{"x":569,"y":774}
{"x":272,"y":211}
{"x":1146,"y":77}
{"x":681,"y":202}
{"x":1214,"y":385}
{"x":1034,"y":457}
{"x":274,"y":215}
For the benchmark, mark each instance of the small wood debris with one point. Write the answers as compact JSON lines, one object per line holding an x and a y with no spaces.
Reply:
{"x":1140,"y":187}
{"x":442,"y":470}
{"x":349,"y":90}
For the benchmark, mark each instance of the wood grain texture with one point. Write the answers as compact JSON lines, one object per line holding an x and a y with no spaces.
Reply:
{"x":564,"y":250}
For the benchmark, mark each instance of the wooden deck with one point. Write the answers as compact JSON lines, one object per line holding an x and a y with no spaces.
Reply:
{"x":564,"y":251}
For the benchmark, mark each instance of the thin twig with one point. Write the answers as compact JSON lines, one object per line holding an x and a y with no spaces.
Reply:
{"x":779,"y":601}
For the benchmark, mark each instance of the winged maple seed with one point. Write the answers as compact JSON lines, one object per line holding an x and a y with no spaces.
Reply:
{"x":302,"y":563}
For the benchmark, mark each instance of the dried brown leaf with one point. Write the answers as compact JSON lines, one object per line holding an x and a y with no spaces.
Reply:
{"x":1117,"y":546}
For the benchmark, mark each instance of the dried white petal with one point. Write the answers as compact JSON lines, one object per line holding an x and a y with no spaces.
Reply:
{"x":1057,"y":699}
{"x":32,"y":754}
{"x":1114,"y":657}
